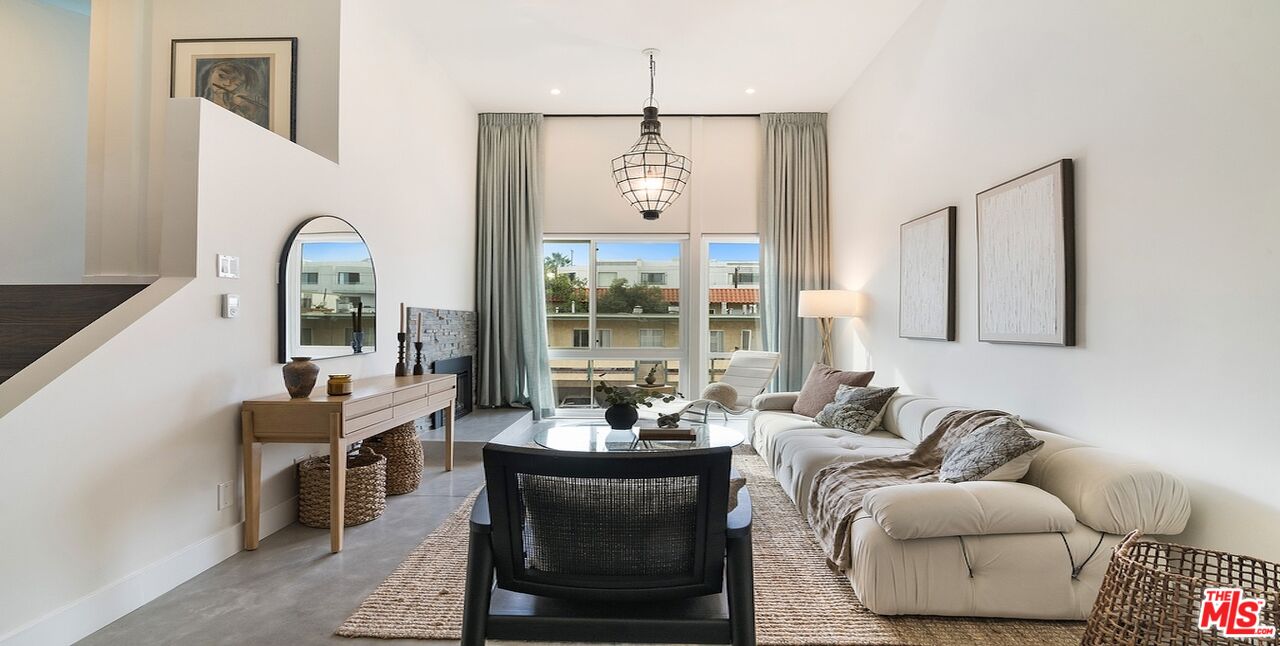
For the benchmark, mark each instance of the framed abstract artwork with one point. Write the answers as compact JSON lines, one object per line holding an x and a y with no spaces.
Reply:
{"x":927,"y":277}
{"x":255,"y":78}
{"x":1026,"y":259}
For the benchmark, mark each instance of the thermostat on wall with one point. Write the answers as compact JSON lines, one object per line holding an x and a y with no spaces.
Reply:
{"x":230,"y":306}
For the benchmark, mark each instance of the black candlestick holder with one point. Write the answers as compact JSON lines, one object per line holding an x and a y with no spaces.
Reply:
{"x":401,"y":368}
{"x":417,"y":365}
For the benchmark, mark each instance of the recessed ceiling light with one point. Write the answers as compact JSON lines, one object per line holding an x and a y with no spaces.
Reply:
{"x":751,"y":90}
{"x":555,"y":91}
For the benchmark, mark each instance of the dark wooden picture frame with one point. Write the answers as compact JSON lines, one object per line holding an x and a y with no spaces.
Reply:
{"x":947,"y":332}
{"x":252,"y":97}
{"x":1026,"y":244}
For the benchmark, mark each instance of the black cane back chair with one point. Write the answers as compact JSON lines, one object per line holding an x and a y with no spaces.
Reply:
{"x":609,"y":547}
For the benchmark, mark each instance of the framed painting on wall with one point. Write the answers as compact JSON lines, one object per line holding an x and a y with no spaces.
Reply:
{"x":255,"y":78}
{"x":1026,"y":259}
{"x":927,"y":277}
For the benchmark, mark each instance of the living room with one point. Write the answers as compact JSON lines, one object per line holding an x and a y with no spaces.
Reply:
{"x":872,"y":322}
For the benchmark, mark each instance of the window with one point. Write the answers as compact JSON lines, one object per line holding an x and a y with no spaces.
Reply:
{"x":733,"y":295}
{"x":310,"y":278}
{"x":653,"y":278}
{"x":348,"y":278}
{"x":651,"y":337}
{"x":613,"y":312}
{"x":717,"y":340}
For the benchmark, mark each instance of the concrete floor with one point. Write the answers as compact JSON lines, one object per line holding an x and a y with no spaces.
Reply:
{"x":292,"y":590}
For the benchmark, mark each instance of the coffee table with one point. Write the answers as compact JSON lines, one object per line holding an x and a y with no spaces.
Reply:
{"x":594,"y":437}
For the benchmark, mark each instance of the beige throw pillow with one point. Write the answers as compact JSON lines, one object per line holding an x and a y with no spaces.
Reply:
{"x":821,"y":385}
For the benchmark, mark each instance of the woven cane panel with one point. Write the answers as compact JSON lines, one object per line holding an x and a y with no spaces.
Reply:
{"x":608,"y":527}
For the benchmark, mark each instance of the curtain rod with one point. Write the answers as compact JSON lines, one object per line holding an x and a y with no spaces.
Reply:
{"x":634,"y":115}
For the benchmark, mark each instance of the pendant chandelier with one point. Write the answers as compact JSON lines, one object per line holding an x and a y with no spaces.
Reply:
{"x":650,"y":174}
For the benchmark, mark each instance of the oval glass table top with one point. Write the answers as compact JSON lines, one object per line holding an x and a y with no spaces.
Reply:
{"x":328,"y":292}
{"x":596,"y":437}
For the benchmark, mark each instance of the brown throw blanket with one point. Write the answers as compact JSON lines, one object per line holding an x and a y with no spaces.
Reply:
{"x":836,"y":497}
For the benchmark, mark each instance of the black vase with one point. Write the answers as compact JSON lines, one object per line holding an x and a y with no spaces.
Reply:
{"x":621,"y":417}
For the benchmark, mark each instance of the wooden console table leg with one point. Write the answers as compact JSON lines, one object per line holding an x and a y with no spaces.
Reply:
{"x":252,"y":481}
{"x":337,"y":482}
{"x":448,"y":436}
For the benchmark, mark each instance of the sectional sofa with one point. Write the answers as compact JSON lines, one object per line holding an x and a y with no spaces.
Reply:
{"x":1037,"y":548}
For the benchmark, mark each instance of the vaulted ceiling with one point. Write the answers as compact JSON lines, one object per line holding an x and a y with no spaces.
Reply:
{"x":509,"y":55}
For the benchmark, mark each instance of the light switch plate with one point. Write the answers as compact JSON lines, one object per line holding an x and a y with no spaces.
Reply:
{"x":228,"y":266}
{"x":230,"y":306}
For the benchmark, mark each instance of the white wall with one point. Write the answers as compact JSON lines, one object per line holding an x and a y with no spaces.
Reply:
{"x":722,"y":196}
{"x":119,"y":505}
{"x":130,"y":87}
{"x":408,"y":157}
{"x":44,"y":64}
{"x":1169,"y":110}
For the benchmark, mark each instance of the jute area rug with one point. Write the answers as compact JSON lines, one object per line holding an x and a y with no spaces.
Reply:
{"x":798,"y":599}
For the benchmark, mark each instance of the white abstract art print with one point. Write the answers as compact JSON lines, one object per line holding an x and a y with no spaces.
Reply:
{"x":1026,"y":265}
{"x":926,"y":299}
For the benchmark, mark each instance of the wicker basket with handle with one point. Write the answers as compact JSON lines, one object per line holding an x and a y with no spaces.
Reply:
{"x":1152,"y":594}
{"x":366,"y":491}
{"x":403,"y":451}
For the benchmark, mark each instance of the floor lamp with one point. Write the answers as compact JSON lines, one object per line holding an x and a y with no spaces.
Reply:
{"x":825,"y":305}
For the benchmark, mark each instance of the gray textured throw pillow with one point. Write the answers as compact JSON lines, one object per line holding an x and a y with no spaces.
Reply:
{"x":987,"y":449}
{"x":856,"y":408}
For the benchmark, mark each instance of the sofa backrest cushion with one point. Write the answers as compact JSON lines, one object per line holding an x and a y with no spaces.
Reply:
{"x":912,"y":417}
{"x":1108,"y":491}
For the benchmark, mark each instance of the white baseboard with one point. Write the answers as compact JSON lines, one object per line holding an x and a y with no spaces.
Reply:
{"x":85,"y":615}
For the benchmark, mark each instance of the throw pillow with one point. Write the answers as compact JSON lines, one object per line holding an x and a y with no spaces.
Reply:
{"x":856,"y":408}
{"x":820,"y":387}
{"x":985,"y":453}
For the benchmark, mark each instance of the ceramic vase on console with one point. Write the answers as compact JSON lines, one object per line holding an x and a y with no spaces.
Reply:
{"x":357,"y":342}
{"x":300,"y":377}
{"x":621,"y":416}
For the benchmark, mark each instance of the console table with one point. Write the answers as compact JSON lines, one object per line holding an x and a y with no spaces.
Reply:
{"x":376,"y":404}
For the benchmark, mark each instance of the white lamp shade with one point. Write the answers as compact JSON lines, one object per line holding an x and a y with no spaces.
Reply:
{"x":828,"y":303}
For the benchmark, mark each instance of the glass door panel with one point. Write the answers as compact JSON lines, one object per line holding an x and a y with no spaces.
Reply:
{"x":638,"y":293}
{"x":733,"y":299}
{"x":568,"y":306}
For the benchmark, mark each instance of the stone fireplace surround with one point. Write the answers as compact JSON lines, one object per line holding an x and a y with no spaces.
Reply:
{"x":446,"y":334}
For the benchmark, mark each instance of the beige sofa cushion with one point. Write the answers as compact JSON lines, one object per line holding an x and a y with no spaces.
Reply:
{"x":932,"y":509}
{"x":775,"y":401}
{"x":1108,"y":491}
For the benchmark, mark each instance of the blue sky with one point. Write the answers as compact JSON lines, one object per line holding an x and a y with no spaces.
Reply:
{"x":334,"y":251}
{"x":650,"y":250}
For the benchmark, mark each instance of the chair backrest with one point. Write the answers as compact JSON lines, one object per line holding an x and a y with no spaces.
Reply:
{"x":749,"y":372}
{"x":615,"y":526}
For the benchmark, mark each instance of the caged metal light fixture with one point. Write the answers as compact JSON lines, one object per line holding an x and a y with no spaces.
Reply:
{"x":650,"y":174}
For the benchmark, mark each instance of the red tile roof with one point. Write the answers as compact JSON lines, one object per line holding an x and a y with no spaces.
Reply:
{"x":716,"y":295}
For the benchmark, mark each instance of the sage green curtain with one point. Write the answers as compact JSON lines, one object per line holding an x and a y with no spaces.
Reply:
{"x":512,"y":364}
{"x":794,"y":236}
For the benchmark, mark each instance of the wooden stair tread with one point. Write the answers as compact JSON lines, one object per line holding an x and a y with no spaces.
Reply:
{"x":35,"y":319}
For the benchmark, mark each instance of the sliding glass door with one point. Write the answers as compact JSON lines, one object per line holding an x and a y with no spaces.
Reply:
{"x":731,"y":271}
{"x":614,"y":314}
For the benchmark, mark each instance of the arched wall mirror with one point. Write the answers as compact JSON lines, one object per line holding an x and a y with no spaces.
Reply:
{"x":328,"y":293}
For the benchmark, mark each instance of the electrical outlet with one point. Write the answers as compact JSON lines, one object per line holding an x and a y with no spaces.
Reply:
{"x":224,"y":495}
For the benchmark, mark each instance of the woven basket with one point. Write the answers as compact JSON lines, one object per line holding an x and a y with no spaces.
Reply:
{"x":366,"y":492}
{"x":1152,"y":594}
{"x":403,"y":451}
